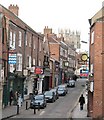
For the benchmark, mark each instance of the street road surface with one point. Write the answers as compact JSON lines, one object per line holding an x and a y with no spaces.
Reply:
{"x":60,"y":108}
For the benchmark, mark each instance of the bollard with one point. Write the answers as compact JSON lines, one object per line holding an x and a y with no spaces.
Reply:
{"x":38,"y":106}
{"x":17,"y":109}
{"x":34,"y":110}
{"x":26,"y":105}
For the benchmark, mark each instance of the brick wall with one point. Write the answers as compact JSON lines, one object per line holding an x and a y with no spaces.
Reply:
{"x":54,"y":50}
{"x":97,"y":59}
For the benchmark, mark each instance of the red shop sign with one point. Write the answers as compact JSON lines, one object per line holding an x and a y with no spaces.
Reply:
{"x":38,"y":70}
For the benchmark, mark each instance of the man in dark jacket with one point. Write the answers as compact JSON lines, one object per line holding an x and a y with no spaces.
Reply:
{"x":82,"y":102}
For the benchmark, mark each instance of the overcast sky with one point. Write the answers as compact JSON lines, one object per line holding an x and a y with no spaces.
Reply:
{"x":56,"y":14}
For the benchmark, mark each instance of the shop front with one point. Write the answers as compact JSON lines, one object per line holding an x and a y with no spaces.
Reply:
{"x":15,"y":84}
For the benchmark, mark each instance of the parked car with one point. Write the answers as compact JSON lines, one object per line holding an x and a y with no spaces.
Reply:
{"x":38,"y":101}
{"x":71,"y":83}
{"x":55,"y":90}
{"x":62,"y":90}
{"x":50,"y":96}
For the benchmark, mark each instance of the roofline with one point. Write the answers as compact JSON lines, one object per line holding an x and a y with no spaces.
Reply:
{"x":20,"y":20}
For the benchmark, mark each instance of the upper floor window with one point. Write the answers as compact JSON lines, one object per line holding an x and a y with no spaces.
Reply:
{"x":92,"y":37}
{"x":20,"y":39}
{"x":39,"y":62}
{"x":34,"y":44}
{"x":34,"y":62}
{"x":19,"y":62}
{"x":30,"y":42}
{"x":40,"y":47}
{"x":26,"y":40}
{"x":12,"y":40}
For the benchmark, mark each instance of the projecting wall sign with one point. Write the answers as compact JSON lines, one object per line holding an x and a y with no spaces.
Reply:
{"x":84,"y":57}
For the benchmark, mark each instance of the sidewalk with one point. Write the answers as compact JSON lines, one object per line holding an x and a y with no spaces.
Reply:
{"x":77,"y":113}
{"x":11,"y":111}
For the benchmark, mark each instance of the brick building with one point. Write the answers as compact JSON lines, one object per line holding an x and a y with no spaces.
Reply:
{"x":25,"y":46}
{"x":62,"y":53}
{"x":96,"y":77}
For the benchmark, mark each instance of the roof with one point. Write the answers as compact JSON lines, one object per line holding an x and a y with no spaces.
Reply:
{"x":98,"y":15}
{"x":22,"y":22}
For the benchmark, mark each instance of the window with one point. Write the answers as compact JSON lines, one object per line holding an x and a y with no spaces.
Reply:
{"x":39,"y":62}
{"x":92,"y":37}
{"x":34,"y":44}
{"x":26,"y":41}
{"x":19,"y":62}
{"x":29,"y":61}
{"x":20,"y":38}
{"x":92,"y":67}
{"x":33,"y":61}
{"x":40,"y":46}
{"x":12,"y":40}
{"x":30,"y":42}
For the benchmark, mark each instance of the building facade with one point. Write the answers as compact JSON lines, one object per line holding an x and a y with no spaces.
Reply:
{"x":22,"y":53}
{"x":96,"y":77}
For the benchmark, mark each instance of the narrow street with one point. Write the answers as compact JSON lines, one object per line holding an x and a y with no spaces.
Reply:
{"x":59,"y":109}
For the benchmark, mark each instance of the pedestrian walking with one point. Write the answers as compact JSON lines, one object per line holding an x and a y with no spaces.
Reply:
{"x":81,"y":101}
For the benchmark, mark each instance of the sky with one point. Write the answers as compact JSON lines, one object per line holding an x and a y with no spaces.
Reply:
{"x":57,"y":14}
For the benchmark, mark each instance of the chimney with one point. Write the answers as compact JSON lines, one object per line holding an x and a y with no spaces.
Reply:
{"x":47,"y":30}
{"x":14,"y":9}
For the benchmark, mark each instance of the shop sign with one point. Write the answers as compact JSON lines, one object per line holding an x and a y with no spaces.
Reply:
{"x":84,"y":57}
{"x":38,"y":70}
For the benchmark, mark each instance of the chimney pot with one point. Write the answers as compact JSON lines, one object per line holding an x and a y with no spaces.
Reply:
{"x":14,"y":9}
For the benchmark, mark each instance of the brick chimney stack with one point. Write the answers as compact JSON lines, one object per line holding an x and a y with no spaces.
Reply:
{"x":14,"y":9}
{"x":47,"y":30}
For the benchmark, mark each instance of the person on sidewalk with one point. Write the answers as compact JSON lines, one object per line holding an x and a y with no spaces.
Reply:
{"x":81,"y":101}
